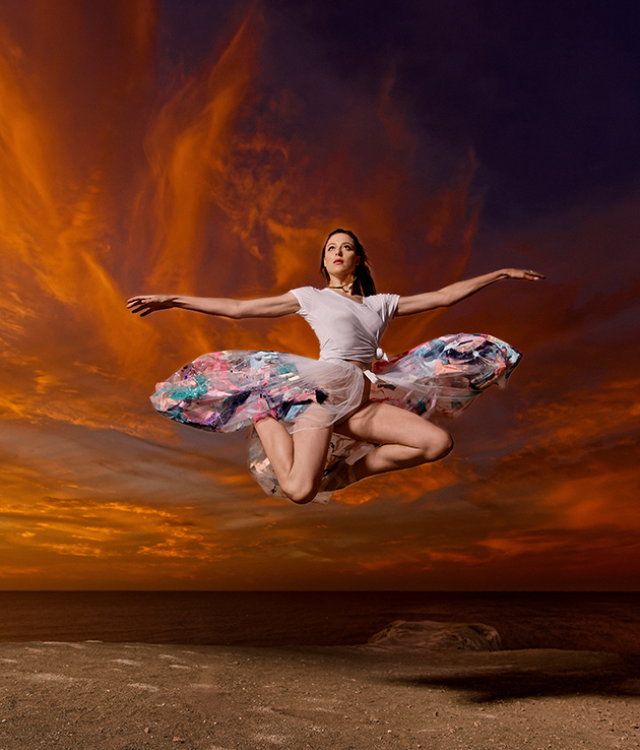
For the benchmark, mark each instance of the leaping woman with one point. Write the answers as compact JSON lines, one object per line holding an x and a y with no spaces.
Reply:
{"x":321,"y":425}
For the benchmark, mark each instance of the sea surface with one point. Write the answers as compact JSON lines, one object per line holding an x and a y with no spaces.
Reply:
{"x":588,"y":621}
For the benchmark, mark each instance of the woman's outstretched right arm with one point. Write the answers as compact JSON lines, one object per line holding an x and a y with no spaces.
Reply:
{"x":266,"y":307}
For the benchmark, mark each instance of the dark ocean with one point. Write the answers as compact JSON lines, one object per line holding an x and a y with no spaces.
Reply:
{"x":589,"y":621}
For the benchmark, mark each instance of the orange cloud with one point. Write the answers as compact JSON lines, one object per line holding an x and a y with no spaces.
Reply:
{"x":606,"y":499}
{"x":406,"y":486}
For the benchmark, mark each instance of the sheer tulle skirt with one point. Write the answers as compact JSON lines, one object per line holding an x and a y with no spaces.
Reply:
{"x":226,"y":391}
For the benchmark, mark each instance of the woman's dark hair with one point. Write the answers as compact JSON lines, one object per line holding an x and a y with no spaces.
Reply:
{"x":363,"y":283}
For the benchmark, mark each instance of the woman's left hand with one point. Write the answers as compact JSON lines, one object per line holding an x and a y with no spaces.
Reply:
{"x":519,"y":273}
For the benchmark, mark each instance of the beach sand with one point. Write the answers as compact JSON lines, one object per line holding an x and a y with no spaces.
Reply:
{"x":81,"y":696}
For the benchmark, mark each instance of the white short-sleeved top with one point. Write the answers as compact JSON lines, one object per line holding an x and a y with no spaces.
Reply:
{"x":346,"y":329}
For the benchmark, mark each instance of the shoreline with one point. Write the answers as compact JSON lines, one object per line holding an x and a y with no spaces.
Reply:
{"x":590,"y":622}
{"x":85,"y":695}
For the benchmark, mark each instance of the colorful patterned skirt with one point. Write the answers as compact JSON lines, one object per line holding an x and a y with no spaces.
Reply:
{"x":226,"y":391}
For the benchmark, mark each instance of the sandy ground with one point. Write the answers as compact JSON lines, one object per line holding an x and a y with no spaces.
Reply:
{"x":81,"y":696}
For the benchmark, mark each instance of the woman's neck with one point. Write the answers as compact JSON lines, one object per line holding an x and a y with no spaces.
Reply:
{"x":346,"y":285}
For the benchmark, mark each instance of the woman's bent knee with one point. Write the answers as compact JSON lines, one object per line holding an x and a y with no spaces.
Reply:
{"x":299,"y":491}
{"x":439,"y":446}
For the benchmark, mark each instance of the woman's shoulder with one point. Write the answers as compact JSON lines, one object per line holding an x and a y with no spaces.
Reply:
{"x":306,"y":296}
{"x":382,"y":298}
{"x":384,"y":304}
{"x":305,"y":289}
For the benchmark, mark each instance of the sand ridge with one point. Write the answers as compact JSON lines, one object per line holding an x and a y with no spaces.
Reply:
{"x":81,"y":696}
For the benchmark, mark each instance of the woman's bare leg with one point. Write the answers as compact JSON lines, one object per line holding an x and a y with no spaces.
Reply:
{"x":403,"y":439}
{"x":298,"y":461}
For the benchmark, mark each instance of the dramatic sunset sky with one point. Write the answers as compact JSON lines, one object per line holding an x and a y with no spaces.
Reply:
{"x":207,"y":147}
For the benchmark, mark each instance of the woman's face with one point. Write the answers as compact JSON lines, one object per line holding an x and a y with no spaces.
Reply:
{"x":340,"y":256}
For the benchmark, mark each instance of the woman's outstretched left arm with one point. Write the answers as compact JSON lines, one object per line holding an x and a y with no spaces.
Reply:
{"x":450,"y":295}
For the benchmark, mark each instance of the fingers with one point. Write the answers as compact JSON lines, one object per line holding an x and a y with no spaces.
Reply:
{"x":142,"y":310}
{"x":533,"y":275}
{"x":136,"y":306}
{"x":528,"y":275}
{"x":138,"y":300}
{"x":141,"y":305}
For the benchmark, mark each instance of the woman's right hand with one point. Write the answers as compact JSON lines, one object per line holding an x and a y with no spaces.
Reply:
{"x":145,"y":304}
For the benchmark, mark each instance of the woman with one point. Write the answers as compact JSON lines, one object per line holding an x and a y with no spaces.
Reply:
{"x":327,"y":423}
